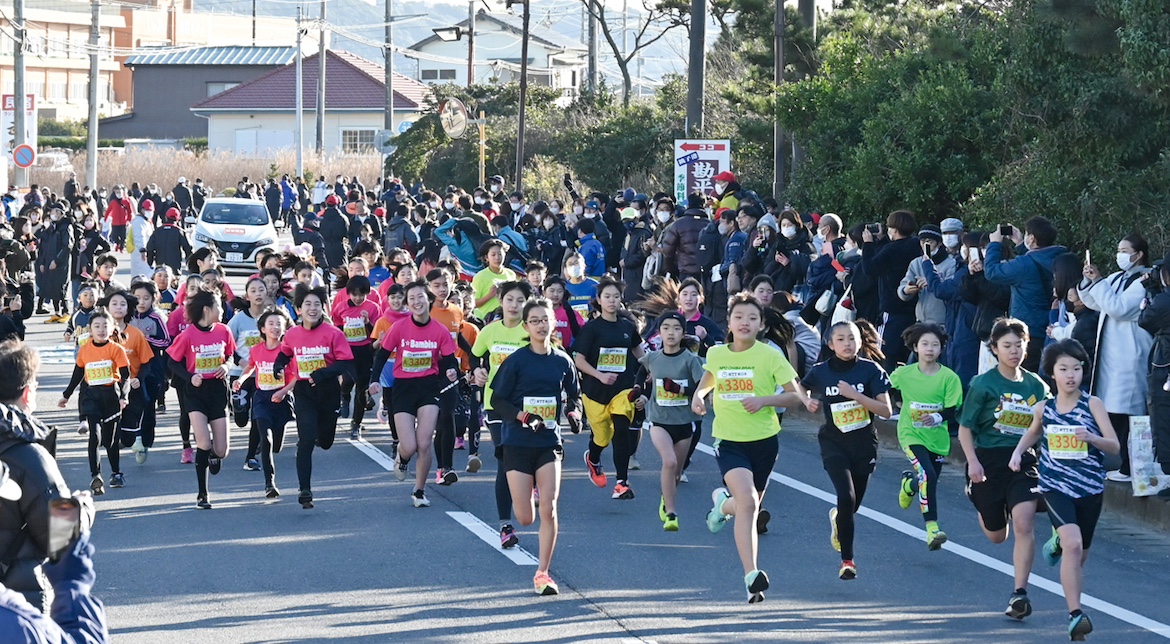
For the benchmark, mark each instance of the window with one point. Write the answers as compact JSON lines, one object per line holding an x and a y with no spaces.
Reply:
{"x":79,"y":91}
{"x":446,"y":74}
{"x":437,"y":74}
{"x":214,"y":88}
{"x":358,"y":140}
{"x":35,"y":87}
{"x":57,"y":91}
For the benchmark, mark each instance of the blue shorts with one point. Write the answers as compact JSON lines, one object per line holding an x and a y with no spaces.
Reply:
{"x":759,"y":457}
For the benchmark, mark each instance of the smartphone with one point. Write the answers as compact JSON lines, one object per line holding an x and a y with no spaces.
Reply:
{"x":874,"y":229}
{"x":1087,"y":260}
{"x":1005,"y":230}
{"x":64,"y":525}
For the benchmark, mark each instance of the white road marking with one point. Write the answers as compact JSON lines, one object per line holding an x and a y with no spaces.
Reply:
{"x":58,"y":354}
{"x":519,"y":556}
{"x":377,"y":455}
{"x":973,"y":556}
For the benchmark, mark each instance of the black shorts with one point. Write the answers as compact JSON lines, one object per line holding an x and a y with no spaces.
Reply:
{"x":210,"y":398}
{"x":100,"y":402}
{"x":272,"y":414}
{"x":528,"y":460}
{"x":857,"y":456}
{"x":679,"y":433}
{"x":412,"y":394}
{"x":1004,"y":489}
{"x":1083,"y":512}
{"x":757,"y":456}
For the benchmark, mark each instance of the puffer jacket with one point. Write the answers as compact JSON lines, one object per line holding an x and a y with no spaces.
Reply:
{"x":1155,"y":318}
{"x":680,"y":244}
{"x":335,"y":232}
{"x":24,"y":524}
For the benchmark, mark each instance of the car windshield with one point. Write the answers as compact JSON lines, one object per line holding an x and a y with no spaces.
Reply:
{"x":245,"y":214}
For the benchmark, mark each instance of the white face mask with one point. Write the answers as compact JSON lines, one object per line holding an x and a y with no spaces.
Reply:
{"x":434,"y":204}
{"x":496,"y":187}
{"x":479,"y":201}
{"x":722,"y":229}
{"x":449,"y":205}
{"x":556,"y":210}
{"x":515,"y":205}
{"x":89,"y":223}
{"x":951,"y":241}
{"x":788,"y":231}
{"x":54,"y":216}
{"x":589,"y":214}
{"x":549,"y":223}
{"x":720,"y":186}
{"x":575,"y":271}
{"x":1124,"y":261}
{"x":577,"y":210}
{"x":663,"y":216}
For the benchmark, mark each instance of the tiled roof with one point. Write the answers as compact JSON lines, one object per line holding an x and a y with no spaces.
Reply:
{"x":514,"y":24}
{"x":351,"y":83}
{"x":217,"y":56}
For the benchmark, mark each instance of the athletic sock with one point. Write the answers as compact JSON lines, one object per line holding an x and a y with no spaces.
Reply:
{"x":1021,"y":591}
{"x":1075,"y":613}
{"x":932,"y":525}
{"x":202,"y":458}
{"x":595,"y":452}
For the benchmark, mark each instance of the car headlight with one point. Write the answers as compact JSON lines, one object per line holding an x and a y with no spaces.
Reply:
{"x":267,"y":241}
{"x":200,"y":237}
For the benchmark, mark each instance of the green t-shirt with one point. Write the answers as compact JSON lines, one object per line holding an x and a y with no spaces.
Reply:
{"x":998,"y":411}
{"x":757,"y":371}
{"x":482,"y":285}
{"x":923,"y":395}
{"x":498,"y":342}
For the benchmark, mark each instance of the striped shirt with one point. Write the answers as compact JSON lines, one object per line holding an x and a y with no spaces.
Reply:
{"x":1067,"y":465}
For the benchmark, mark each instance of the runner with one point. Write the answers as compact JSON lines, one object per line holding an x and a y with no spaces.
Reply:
{"x":198,"y":358}
{"x":497,"y":341}
{"x":488,"y":280}
{"x":602,"y":355}
{"x":931,"y":395}
{"x":246,"y":332}
{"x":103,"y":372}
{"x":674,"y":373}
{"x":450,"y":317}
{"x":177,"y":322}
{"x":998,"y":410}
{"x":77,"y":330}
{"x":145,"y":350}
{"x":424,"y":371}
{"x":1075,"y":433}
{"x":581,"y":289}
{"x":745,"y":376}
{"x":355,"y":314}
{"x":318,"y":354}
{"x":850,"y":389}
{"x":529,"y":384}
{"x":569,"y":321}
{"x":395,"y":311}
{"x":271,"y":404}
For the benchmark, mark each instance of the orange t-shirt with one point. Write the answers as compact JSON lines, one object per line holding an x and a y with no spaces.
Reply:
{"x":138,"y":350}
{"x":101,"y":364}
{"x":469,"y":332}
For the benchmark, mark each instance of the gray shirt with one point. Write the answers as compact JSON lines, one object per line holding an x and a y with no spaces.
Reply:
{"x":666,"y":408}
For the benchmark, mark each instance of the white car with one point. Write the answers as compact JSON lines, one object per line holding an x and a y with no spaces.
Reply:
{"x":236,"y":228}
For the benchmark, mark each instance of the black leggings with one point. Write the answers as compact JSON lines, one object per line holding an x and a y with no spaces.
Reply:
{"x":927,"y":468}
{"x":184,"y":416}
{"x":503,"y":492}
{"x":140,"y":418}
{"x":388,"y":408}
{"x":624,"y":443}
{"x":1120,"y":424}
{"x":849,"y":468}
{"x":103,"y":430}
{"x":316,"y":409}
{"x":363,"y":362}
{"x":271,"y":441}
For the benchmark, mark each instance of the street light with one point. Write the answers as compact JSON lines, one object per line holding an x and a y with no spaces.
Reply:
{"x":451,"y":34}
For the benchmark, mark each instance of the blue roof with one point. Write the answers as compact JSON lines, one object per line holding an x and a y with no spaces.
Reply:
{"x":275,"y":56}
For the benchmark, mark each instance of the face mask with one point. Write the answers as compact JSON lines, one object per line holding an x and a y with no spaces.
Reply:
{"x":722,"y":229}
{"x":663,"y":216}
{"x":549,"y":223}
{"x":515,"y":205}
{"x":479,"y":201}
{"x":720,"y":186}
{"x":449,"y":205}
{"x":496,"y":187}
{"x":89,"y":223}
{"x":788,"y":231}
{"x":575,"y":271}
{"x":590,"y":214}
{"x":54,"y":216}
{"x":577,"y":210}
{"x":556,"y":210}
{"x":951,"y":240}
{"x":434,"y":204}
{"x":1124,"y":261}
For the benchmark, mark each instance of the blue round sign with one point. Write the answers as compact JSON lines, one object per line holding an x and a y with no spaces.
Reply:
{"x":24,"y":156}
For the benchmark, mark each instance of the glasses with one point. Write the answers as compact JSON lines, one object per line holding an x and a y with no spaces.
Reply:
{"x":537,"y":321}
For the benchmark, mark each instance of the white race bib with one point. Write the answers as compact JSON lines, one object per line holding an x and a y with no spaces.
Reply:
{"x":664,"y":398}
{"x":415,"y":361}
{"x":611,"y":360}
{"x":735,"y":384}
{"x":208,"y":360}
{"x":1014,"y":419}
{"x":1063,"y":444}
{"x":919,"y":413}
{"x":355,"y":329}
{"x":99,"y":372}
{"x":849,"y":416}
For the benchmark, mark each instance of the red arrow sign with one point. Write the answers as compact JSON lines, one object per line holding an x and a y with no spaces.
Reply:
{"x":706,"y":147}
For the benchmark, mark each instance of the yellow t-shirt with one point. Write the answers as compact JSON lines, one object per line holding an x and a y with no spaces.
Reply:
{"x":482,"y":284}
{"x":497,"y":342}
{"x":758,"y":371}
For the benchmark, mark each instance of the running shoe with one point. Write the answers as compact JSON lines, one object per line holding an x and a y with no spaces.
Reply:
{"x":833,"y":541}
{"x":117,"y":480}
{"x":202,"y":503}
{"x":1079,"y":626}
{"x":906,"y":490}
{"x":508,"y":536}
{"x":715,"y":518}
{"x":536,"y":496}
{"x":670,"y":523}
{"x":271,"y":492}
{"x":188,"y":456}
{"x":473,"y":463}
{"x":1051,"y":549}
{"x":214,"y":464}
{"x":762,"y":520}
{"x":399,"y":468}
{"x":419,"y":498}
{"x":756,"y":582}
{"x":1019,"y":606}
{"x":634,"y":464}
{"x":544,"y":584}
{"x":251,"y":465}
{"x":460,"y":443}
{"x":139,"y":450}
{"x":445,"y":477}
{"x":83,"y":428}
{"x":682,"y":478}
{"x":162,"y":406}
{"x":935,"y":538}
{"x":1117,"y":477}
{"x":848,"y":570}
{"x":662,"y":508}
{"x":622,"y":491}
{"x":97,"y":485}
{"x":344,"y":411}
{"x":595,"y":473}
{"x":355,"y":433}
{"x":305,"y":498}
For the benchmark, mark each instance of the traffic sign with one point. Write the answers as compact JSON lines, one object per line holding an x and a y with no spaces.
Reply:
{"x":696,"y":162}
{"x":24,"y":155}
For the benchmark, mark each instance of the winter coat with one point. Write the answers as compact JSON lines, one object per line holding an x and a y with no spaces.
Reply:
{"x":182,"y":198}
{"x":634,"y":257}
{"x":991,"y":302}
{"x":142,"y":230}
{"x":273,"y":196}
{"x":799,"y":251}
{"x":335,"y":232}
{"x":680,"y":244}
{"x":961,"y":353}
{"x":929,"y":308}
{"x":288,"y":195}
{"x":457,"y":236}
{"x":320,"y":191}
{"x":551,"y":246}
{"x":822,"y":275}
{"x":120,"y":211}
{"x":1030,"y":276}
{"x":24,"y":524}
{"x":513,"y":239}
{"x":865,"y":287}
{"x":76,"y":616}
{"x":398,"y":233}
{"x":168,"y":246}
{"x":1155,"y":319}
{"x":614,"y":235}
{"x":594,"y":255}
{"x":709,"y":251}
{"x":90,"y":246}
{"x":730,"y":196}
{"x":1123,"y":347}
{"x":355,"y":229}
{"x":888,"y":262}
{"x":55,"y":246}
{"x":198,"y":198}
{"x":312,"y":237}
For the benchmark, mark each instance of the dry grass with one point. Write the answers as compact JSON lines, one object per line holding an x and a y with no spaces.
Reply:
{"x":218,"y":170}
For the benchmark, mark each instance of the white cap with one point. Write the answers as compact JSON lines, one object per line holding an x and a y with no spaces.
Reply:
{"x":9,"y":489}
{"x":182,"y":180}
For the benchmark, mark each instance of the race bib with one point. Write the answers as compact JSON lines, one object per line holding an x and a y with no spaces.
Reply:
{"x":82,"y":339}
{"x":664,"y":398}
{"x":501,"y":351}
{"x":415,"y":361}
{"x":99,"y":372}
{"x":355,"y":329}
{"x":208,"y":360}
{"x":582,"y":309}
{"x":1063,"y":443}
{"x":266,"y":380}
{"x":920,"y":412}
{"x":543,"y":406}
{"x":251,"y":338}
{"x":1014,"y":419}
{"x":735,"y":384}
{"x":611,"y":360}
{"x":849,"y":416}
{"x":308,"y":363}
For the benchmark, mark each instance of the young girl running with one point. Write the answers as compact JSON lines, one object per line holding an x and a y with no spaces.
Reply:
{"x":602,"y":353}
{"x":177,"y":322}
{"x":999,"y":409}
{"x":395,"y":311}
{"x":318,"y":354}
{"x":529,"y":384}
{"x":569,"y":321}
{"x":581,"y":289}
{"x":246,"y":331}
{"x":1074,"y":432}
{"x":121,"y":305}
{"x":487,"y":281}
{"x":77,"y":329}
{"x":103,"y":372}
{"x":425,"y":370}
{"x":355,"y":314}
{"x":148,"y":365}
{"x":931,"y":395}
{"x":198,"y":358}
{"x":851,"y":390}
{"x":497,"y":341}
{"x":674,"y":373}
{"x":271,"y":405}
{"x":744,"y":376}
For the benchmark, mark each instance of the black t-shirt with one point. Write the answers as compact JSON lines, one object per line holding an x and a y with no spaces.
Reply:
{"x":846,"y":420}
{"x":608,"y":346}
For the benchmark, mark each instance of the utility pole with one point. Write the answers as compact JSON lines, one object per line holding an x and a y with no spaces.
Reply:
{"x":91,"y":142}
{"x":389,"y":67}
{"x":471,"y":43}
{"x":523,"y":95}
{"x":696,"y":72}
{"x":321,"y":85}
{"x":300,"y":116}
{"x":253,"y":23}
{"x":594,"y":81}
{"x":808,"y":19}
{"x":18,"y":120}
{"x":778,"y":151}
{"x":625,"y":28}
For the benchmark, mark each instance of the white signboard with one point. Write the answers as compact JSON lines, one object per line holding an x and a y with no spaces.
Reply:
{"x":8,"y":123}
{"x":696,"y":162}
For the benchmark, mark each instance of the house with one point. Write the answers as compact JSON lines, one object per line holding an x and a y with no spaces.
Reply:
{"x":260,"y":115}
{"x":553,"y":60}
{"x":162,"y":106}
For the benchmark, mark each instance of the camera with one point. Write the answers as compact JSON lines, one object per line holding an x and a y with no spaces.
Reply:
{"x":1005,"y":230}
{"x":874,"y":229}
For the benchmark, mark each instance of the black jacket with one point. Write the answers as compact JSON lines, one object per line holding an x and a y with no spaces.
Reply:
{"x":991,"y":302}
{"x":680,"y":244}
{"x":1155,"y":318}
{"x":198,"y":197}
{"x":888,"y":264}
{"x":335,"y":233}
{"x":90,"y":246}
{"x":182,"y":198}
{"x":168,"y":245}
{"x":799,"y":251}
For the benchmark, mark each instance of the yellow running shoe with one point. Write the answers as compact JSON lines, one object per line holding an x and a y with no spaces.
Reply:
{"x":833,"y":535}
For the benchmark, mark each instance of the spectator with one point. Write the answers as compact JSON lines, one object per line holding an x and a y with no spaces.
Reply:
{"x":334,"y":228}
{"x":1155,"y":319}
{"x":747,"y":220}
{"x":54,"y":252}
{"x":140,"y":232}
{"x":505,"y":233}
{"x":273,"y":196}
{"x":726,"y":190}
{"x":198,"y":196}
{"x":119,"y":211}
{"x":991,"y":301}
{"x":552,"y":239}
{"x":680,"y":242}
{"x":182,"y":196}
{"x":934,"y":259}
{"x":168,"y":246}
{"x":639,"y":244}
{"x":889,"y":265}
{"x":863,"y":287}
{"x":787,"y":261}
{"x":961,"y":352}
{"x":591,"y":250}
{"x":821,"y":275}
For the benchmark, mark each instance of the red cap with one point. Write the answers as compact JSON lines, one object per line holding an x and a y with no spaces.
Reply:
{"x":351,"y":207}
{"x":725,"y":213}
{"x":724,"y":176}
{"x":332,"y":200}
{"x":172,"y":214}
{"x":816,"y":217}
{"x":379,"y":212}
{"x":147,"y":204}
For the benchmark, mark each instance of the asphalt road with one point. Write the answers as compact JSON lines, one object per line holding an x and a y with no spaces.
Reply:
{"x":365,"y":566}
